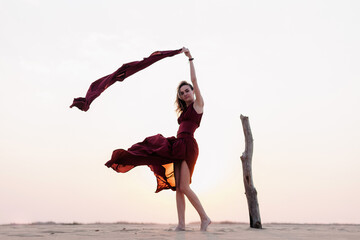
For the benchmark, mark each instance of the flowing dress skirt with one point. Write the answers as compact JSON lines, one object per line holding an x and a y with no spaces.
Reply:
{"x":160,"y":154}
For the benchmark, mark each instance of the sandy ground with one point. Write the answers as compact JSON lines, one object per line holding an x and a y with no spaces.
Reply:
{"x":163,"y":231}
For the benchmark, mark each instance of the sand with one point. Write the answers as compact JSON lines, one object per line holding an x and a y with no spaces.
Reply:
{"x":164,"y":231}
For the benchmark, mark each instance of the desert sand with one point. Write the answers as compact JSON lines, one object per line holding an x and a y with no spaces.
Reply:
{"x":164,"y":231}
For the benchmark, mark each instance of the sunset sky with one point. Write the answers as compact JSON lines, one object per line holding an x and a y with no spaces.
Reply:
{"x":292,"y":67}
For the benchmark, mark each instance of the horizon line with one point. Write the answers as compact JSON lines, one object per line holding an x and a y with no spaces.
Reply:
{"x":154,"y":223}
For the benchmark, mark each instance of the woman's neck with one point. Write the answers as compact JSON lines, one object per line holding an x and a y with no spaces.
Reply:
{"x":188,"y":103}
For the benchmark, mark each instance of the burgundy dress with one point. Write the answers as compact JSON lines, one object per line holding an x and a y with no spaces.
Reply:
{"x":160,"y":153}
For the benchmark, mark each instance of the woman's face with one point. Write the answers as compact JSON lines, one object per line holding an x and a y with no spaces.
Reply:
{"x":186,"y":94}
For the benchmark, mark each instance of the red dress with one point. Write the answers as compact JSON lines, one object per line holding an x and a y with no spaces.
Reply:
{"x":160,"y":153}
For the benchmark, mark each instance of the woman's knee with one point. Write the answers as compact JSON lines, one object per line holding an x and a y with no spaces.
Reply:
{"x":178,"y":191}
{"x":184,"y":188}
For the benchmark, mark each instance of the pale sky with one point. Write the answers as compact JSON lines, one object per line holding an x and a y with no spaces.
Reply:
{"x":291,"y":66}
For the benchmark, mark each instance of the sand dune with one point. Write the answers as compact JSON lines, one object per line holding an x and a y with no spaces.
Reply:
{"x":164,"y":231}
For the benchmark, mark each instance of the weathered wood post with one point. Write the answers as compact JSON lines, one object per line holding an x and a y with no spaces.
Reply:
{"x":250,"y":191}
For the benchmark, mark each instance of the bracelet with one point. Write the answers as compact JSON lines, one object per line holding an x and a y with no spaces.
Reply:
{"x":190,"y":59}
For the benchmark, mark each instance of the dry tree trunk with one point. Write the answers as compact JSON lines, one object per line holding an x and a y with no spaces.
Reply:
{"x":250,"y":191}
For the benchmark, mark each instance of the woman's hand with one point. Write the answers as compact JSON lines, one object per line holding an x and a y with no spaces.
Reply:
{"x":186,"y":51}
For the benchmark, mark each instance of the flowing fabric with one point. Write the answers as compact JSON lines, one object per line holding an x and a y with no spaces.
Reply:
{"x":126,"y":70}
{"x":161,"y":153}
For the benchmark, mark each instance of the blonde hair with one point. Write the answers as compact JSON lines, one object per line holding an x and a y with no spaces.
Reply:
{"x":180,"y":104}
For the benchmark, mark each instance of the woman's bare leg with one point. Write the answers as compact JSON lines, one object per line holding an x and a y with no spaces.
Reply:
{"x":180,"y":200}
{"x":194,"y":200}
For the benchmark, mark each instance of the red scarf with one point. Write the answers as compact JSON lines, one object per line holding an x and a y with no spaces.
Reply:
{"x":126,"y":70}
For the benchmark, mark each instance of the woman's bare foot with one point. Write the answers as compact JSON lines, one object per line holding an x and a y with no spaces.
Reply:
{"x":204,"y":224}
{"x":180,"y":228}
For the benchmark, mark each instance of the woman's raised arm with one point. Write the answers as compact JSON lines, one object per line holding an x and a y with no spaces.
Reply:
{"x":199,"y":101}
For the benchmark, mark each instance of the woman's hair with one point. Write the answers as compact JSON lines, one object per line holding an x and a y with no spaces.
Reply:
{"x":180,"y":104}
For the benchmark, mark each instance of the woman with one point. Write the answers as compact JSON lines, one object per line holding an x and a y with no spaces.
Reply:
{"x":172,"y":159}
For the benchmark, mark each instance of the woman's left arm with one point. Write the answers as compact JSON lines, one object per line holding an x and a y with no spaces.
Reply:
{"x":199,"y":101}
